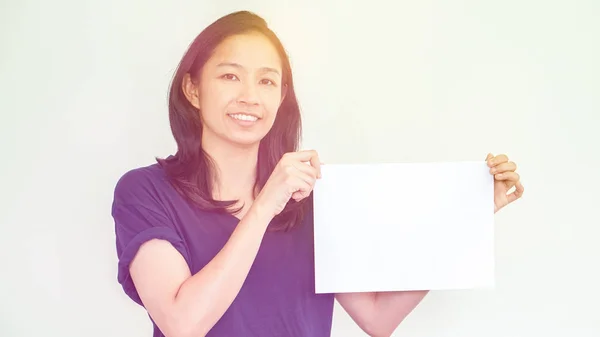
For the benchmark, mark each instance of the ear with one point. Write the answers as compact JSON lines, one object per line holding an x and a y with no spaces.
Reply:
{"x":284,"y":90}
{"x":190,"y":90}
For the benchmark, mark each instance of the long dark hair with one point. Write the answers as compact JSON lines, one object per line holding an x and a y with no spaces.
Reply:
{"x":191,"y":170}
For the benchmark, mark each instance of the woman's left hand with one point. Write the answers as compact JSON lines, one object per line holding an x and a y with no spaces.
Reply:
{"x":505,"y":178}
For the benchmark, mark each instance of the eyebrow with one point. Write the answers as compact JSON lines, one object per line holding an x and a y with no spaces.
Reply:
{"x":236,"y":65}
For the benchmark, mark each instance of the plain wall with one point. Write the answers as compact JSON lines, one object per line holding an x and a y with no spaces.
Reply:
{"x":83,"y":99}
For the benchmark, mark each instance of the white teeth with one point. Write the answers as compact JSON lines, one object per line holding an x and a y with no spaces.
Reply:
{"x":243,"y":117}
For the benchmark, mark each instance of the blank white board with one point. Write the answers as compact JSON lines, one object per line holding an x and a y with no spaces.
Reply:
{"x":404,"y":226}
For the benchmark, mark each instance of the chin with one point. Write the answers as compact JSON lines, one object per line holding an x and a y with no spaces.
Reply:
{"x":247,"y":140}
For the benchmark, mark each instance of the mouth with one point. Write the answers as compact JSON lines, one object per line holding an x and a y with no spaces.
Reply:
{"x":244,"y":117}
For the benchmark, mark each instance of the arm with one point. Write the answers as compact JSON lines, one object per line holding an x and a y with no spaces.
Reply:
{"x":379,"y":314}
{"x":183,"y":305}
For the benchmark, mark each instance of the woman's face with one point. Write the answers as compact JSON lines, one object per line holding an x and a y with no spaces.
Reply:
{"x":239,"y":91}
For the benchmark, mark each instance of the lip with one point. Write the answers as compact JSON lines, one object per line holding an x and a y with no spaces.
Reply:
{"x":245,"y":113}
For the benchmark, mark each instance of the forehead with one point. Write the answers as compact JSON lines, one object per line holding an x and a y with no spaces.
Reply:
{"x":252,"y":51}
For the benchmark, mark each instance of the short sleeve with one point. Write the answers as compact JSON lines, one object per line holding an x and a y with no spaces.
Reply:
{"x":139,"y":217}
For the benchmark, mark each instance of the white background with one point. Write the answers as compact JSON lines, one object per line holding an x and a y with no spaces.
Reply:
{"x":83,"y":99}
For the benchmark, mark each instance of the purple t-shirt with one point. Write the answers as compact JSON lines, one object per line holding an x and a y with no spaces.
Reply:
{"x":278,"y":296}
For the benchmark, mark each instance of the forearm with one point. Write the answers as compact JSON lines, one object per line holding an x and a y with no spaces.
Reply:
{"x":380,"y":313}
{"x":391,"y":308}
{"x":203,"y":298}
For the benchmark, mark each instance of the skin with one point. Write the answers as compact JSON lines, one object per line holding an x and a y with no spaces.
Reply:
{"x":505,"y":178}
{"x":182,"y":304}
{"x":235,"y":80}
{"x":244,"y":76}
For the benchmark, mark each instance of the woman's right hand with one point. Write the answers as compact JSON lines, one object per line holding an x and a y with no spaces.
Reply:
{"x":294,"y":177}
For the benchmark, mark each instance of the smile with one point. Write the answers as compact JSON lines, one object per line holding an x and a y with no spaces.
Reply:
{"x":243,"y":117}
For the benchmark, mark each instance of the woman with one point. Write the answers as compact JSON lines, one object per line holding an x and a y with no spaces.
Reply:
{"x":217,"y":239}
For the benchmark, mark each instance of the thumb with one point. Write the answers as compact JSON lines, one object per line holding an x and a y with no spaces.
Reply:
{"x":489,"y":156}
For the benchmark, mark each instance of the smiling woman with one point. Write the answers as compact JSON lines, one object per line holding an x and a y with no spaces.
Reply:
{"x":217,"y":239}
{"x":233,"y":88}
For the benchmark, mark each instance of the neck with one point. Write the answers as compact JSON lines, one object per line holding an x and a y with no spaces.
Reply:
{"x":235,"y":170}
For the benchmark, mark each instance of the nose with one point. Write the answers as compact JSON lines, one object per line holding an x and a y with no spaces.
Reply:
{"x":248,"y":94}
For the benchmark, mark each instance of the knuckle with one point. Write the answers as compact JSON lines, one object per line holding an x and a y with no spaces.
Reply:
{"x":289,"y":180}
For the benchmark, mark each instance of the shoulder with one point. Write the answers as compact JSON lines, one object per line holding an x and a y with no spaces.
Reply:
{"x":142,"y":212}
{"x":140,"y":185}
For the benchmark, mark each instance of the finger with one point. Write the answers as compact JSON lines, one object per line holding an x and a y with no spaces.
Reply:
{"x":299,"y":195}
{"x":499,"y":159}
{"x":302,"y":189}
{"x":504,"y":167}
{"x":489,"y":158}
{"x":517,"y":193}
{"x":306,"y":169}
{"x":508,"y":176}
{"x":310,"y":156}
{"x":302,"y":174}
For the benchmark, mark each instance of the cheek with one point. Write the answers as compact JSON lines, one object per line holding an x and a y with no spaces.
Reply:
{"x":271,"y":101}
{"x":217,"y":98}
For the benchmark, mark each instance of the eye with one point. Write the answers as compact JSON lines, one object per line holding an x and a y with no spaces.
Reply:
{"x":230,"y":77}
{"x":267,"y":82}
